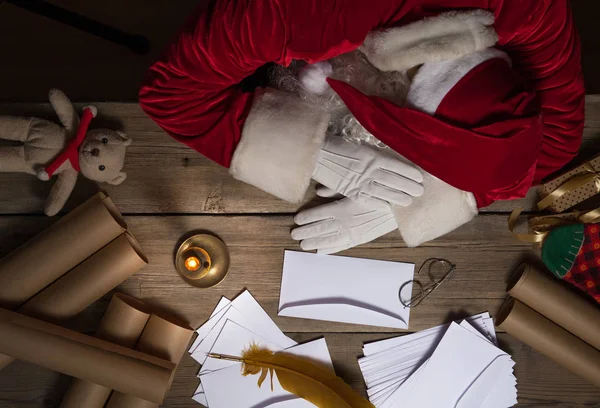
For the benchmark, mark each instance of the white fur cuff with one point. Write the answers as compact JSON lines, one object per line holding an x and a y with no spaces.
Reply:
{"x":280,"y":143}
{"x":446,"y":36}
{"x":441,"y":209}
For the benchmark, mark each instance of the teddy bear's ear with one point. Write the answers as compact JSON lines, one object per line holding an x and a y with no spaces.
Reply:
{"x":119,"y":179}
{"x":126,"y":139}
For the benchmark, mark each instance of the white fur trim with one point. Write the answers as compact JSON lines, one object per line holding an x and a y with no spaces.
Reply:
{"x":441,"y":209}
{"x":313,"y":77}
{"x":446,"y":36}
{"x":92,"y":109}
{"x":434,"y":80}
{"x":42,"y":175}
{"x":280,"y":143}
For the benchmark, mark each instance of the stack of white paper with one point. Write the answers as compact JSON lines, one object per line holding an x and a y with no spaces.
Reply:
{"x":233,"y":327}
{"x":457,"y":365}
{"x":347,"y":290}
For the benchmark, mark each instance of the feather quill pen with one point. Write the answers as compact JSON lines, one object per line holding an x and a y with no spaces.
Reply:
{"x":300,"y":376}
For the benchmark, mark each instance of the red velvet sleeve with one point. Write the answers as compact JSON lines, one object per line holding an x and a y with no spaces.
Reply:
{"x":193,"y":92}
{"x":540,"y":37}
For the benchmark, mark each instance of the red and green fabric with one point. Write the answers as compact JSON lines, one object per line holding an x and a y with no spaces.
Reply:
{"x":572,"y":253}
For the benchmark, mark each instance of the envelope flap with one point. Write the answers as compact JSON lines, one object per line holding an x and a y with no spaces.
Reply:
{"x":343,"y":310}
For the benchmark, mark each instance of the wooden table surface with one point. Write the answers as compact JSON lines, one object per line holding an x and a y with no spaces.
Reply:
{"x":172,"y":191}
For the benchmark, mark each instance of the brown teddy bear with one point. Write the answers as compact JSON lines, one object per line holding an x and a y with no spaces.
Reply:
{"x":47,"y":149}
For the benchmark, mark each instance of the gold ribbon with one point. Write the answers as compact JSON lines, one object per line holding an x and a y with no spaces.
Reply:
{"x":580,"y":180}
{"x":535,"y":236}
{"x":590,"y":217}
{"x":541,"y":228}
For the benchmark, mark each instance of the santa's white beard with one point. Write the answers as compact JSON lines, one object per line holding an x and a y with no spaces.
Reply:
{"x":354,"y":69}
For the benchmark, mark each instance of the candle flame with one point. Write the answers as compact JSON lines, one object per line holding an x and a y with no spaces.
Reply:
{"x":192,"y":263}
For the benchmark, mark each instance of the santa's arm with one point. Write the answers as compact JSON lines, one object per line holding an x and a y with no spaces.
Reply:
{"x":193,"y":92}
{"x":545,"y":48}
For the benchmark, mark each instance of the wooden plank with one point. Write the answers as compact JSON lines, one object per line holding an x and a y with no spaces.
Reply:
{"x":484,"y":251}
{"x":540,"y":382}
{"x":165,"y":176}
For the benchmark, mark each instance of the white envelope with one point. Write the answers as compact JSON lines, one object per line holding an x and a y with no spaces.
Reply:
{"x":227,"y":388}
{"x":347,"y":290}
{"x":460,"y":359}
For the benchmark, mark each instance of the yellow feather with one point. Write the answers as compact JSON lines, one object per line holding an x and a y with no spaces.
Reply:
{"x":300,"y":376}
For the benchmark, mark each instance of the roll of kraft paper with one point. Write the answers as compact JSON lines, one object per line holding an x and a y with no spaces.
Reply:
{"x":162,"y":337}
{"x":86,"y":283}
{"x":533,"y":329}
{"x":550,"y":298}
{"x":121,"y":324}
{"x":58,"y":249}
{"x":84,"y":357}
{"x":89,"y":281}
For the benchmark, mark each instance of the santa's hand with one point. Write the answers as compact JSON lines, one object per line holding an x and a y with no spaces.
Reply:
{"x":341,"y":225}
{"x":365,"y":175}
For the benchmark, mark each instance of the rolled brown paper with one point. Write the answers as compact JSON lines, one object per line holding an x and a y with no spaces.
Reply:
{"x":533,"y":329}
{"x":550,"y":298}
{"x":86,"y":283}
{"x":58,"y":249}
{"x":85,"y":357}
{"x":121,"y":324}
{"x":162,"y":337}
{"x":89,"y":281}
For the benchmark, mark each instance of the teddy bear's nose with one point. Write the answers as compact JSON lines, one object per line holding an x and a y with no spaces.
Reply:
{"x":95,"y":152}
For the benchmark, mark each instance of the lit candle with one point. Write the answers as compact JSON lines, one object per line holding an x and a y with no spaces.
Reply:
{"x":192,"y":263}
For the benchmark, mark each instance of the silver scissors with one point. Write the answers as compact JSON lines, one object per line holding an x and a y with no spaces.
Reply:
{"x":435,"y":283}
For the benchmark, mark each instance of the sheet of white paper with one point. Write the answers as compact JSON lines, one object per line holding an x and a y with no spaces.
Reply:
{"x":342,"y":289}
{"x":246,"y":304}
{"x":203,"y":330}
{"x":245,"y":311}
{"x":232,"y":340}
{"x":457,"y":361}
{"x":227,"y":388}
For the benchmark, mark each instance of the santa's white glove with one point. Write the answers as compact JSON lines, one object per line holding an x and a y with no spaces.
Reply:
{"x":340,"y":225}
{"x":365,"y":175}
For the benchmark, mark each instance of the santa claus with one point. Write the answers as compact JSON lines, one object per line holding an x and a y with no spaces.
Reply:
{"x":474,"y":129}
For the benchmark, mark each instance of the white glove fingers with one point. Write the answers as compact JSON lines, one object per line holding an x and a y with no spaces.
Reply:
{"x":335,"y":158}
{"x":315,"y":230}
{"x":334,"y":240}
{"x":397,"y":182}
{"x":319,"y":213}
{"x":402,"y":169}
{"x":383,"y":227}
{"x":388,"y":195}
{"x":326,"y":192}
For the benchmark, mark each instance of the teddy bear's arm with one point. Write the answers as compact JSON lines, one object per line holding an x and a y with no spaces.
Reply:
{"x":61,"y":190}
{"x":64,"y":110}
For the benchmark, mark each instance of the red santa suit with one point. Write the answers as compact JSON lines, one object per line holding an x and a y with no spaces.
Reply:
{"x":270,"y":140}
